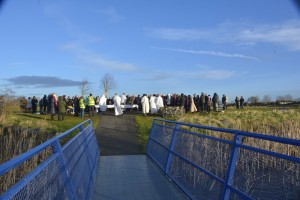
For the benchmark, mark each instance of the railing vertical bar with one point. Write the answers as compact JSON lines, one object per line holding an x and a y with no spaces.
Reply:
{"x":172,"y":144}
{"x":57,"y":149}
{"x":232,"y":165}
{"x":150,"y":135}
{"x":86,"y":148}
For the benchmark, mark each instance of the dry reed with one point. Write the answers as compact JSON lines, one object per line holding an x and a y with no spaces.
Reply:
{"x":256,"y":174}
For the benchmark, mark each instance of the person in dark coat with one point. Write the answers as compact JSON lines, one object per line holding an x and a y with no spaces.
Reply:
{"x":242,"y":102}
{"x":34,"y":102}
{"x":215,"y":101}
{"x":182,"y":101}
{"x":203,"y":102}
{"x":224,"y":101}
{"x":41,"y":106}
{"x":187,"y":104}
{"x":52,"y":103}
{"x":76,"y":106}
{"x":207,"y":102}
{"x":45,"y":103}
{"x":61,"y":108}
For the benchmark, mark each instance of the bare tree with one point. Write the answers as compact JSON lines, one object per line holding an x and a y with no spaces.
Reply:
{"x":253,"y":99}
{"x":266,"y":99}
{"x":7,"y":96}
{"x":287,"y":97}
{"x":108,"y":83}
{"x":84,"y":87}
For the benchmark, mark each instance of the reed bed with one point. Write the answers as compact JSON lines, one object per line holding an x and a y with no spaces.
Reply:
{"x":260,"y":175}
{"x":15,"y":141}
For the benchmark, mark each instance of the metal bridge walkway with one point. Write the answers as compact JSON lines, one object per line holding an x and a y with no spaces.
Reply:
{"x":133,"y":177}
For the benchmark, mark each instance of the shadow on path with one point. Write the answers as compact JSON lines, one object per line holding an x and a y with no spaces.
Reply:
{"x":117,"y":135}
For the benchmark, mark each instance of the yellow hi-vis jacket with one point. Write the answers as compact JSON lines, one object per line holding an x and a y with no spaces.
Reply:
{"x":91,"y":101}
{"x":81,"y":104}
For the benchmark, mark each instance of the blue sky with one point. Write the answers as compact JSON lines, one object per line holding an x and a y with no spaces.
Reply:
{"x":237,"y":48}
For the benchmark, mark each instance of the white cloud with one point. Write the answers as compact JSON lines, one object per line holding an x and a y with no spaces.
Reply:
{"x":212,"y":53}
{"x":112,"y":15}
{"x":178,"y":34}
{"x":215,"y":74}
{"x":106,"y":63}
{"x":286,"y":34}
{"x":238,"y":33}
{"x":96,"y":59}
{"x":210,"y":74}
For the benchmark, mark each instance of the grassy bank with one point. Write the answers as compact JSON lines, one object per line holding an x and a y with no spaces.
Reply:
{"x":20,"y":132}
{"x":270,"y":121}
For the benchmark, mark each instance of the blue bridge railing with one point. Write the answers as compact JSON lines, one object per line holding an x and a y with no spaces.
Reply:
{"x":216,"y":163}
{"x":67,"y":172}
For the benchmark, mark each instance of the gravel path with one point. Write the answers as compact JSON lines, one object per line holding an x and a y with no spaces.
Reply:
{"x":117,"y":135}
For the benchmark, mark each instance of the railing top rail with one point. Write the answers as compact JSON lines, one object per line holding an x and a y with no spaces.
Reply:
{"x":7,"y":166}
{"x":290,"y":141}
{"x":66,"y":133}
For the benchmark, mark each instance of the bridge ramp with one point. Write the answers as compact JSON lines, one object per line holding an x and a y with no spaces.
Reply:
{"x":133,"y":177}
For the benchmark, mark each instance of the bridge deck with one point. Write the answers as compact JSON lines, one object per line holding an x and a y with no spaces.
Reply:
{"x":133,"y":177}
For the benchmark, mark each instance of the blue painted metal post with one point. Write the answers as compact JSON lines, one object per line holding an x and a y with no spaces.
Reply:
{"x":151,"y":133}
{"x":232,"y":165}
{"x":167,"y":168}
{"x":85,"y":143}
{"x":57,"y":149}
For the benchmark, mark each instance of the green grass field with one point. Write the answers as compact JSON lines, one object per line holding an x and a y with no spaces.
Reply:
{"x":14,"y":117}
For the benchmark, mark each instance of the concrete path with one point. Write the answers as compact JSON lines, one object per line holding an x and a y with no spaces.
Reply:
{"x":117,"y":135}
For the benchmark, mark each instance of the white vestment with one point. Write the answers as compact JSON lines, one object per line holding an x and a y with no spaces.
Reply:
{"x":123,"y":99}
{"x":117,"y":104}
{"x":159,"y":102}
{"x":102,"y":100}
{"x":153,"y":105}
{"x":102,"y":103}
{"x":145,"y":104}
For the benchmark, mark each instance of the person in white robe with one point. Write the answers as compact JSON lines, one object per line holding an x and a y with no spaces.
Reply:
{"x":102,"y":103}
{"x":145,"y":104}
{"x":159,"y":102}
{"x":123,"y":99}
{"x":153,"y":107}
{"x":117,"y":104}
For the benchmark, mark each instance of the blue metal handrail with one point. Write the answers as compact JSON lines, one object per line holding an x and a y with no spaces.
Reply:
{"x":57,"y":177}
{"x":209,"y":167}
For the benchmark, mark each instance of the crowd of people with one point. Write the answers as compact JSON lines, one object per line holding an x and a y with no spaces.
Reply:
{"x":53,"y":104}
{"x":78,"y":105}
{"x":201,"y":103}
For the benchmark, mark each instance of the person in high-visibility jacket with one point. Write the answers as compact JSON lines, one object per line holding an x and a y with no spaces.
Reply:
{"x":81,"y":106}
{"x":91,"y":104}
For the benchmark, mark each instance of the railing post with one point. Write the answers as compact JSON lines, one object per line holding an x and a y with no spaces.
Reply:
{"x":151,"y":133}
{"x":232,"y":165}
{"x":57,"y":149}
{"x":167,"y":168}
